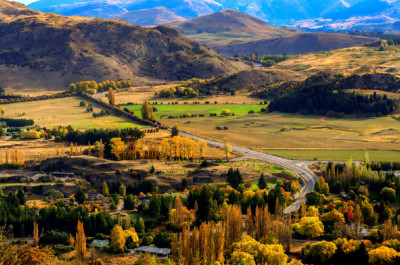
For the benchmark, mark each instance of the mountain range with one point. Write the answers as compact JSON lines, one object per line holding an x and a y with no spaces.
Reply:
{"x":235,"y":33}
{"x":49,"y":50}
{"x":275,"y":12}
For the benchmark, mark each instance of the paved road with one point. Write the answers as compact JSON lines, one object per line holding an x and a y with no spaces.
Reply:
{"x":298,"y":167}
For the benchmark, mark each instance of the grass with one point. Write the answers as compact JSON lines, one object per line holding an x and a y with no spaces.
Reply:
{"x":65,"y":111}
{"x":327,"y":138}
{"x":337,"y":155}
{"x":165,"y":111}
{"x":347,"y":61}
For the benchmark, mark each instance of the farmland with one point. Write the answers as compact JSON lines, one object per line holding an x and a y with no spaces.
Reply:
{"x":65,"y":111}
{"x":281,"y":132}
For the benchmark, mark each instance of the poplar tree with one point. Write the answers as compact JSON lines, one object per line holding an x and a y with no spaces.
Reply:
{"x":111,"y":96}
{"x":80,"y":245}
{"x":147,"y":111}
{"x":35,"y":233}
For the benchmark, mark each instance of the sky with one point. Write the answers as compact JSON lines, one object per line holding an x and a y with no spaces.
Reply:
{"x":25,"y":1}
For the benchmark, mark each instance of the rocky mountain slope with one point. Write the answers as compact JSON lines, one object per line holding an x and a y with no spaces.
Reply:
{"x":48,"y":50}
{"x":150,"y":17}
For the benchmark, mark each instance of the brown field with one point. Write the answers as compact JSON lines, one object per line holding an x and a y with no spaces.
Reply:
{"x":64,"y":111}
{"x":359,"y":60}
{"x":263,"y":132}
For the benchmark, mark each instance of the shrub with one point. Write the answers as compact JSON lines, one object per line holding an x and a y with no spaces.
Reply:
{"x":53,"y":237}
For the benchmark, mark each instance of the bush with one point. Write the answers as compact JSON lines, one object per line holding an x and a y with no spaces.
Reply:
{"x":53,"y":237}
{"x":388,"y":194}
{"x":226,"y":112}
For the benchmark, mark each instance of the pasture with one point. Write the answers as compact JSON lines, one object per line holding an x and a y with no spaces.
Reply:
{"x":65,"y":111}
{"x":302,"y":135}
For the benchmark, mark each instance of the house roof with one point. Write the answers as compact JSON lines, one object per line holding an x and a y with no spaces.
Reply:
{"x":100,"y":243}
{"x":154,"y":250}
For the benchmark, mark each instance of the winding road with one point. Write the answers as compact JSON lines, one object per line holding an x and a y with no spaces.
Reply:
{"x":298,"y":167}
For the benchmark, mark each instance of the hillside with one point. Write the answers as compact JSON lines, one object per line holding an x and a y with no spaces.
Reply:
{"x":229,"y":27}
{"x":150,"y":17}
{"x":48,"y":50}
{"x":359,"y":60}
{"x":296,"y":44}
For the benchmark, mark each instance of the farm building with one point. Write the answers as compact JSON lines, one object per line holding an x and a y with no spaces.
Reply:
{"x":154,"y":251}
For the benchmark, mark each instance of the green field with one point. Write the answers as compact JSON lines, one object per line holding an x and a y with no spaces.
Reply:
{"x":65,"y":111}
{"x":165,"y":111}
{"x":337,"y":155}
{"x":306,"y":137}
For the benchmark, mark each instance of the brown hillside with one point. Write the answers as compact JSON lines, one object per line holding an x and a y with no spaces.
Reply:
{"x":48,"y":50}
{"x":297,"y":44}
{"x":229,"y":26}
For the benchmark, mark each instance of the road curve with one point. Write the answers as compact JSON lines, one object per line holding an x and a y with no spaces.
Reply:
{"x":298,"y":167}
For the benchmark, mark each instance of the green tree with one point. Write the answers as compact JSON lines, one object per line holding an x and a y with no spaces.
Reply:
{"x":388,"y":194}
{"x":175,"y":130}
{"x":21,"y":196}
{"x":234,"y":178}
{"x":129,"y":202}
{"x":105,"y":190}
{"x":122,"y":190}
{"x":80,"y":196}
{"x":262,"y":182}
{"x":140,"y":228}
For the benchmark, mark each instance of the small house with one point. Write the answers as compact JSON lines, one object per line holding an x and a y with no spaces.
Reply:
{"x":164,"y":252}
{"x":100,"y":244}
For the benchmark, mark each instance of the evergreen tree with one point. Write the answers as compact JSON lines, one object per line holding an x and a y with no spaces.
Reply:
{"x":140,"y":228}
{"x":175,"y":130}
{"x":80,"y":196}
{"x":234,"y":178}
{"x":21,"y":196}
{"x":129,"y":202}
{"x":262,"y":182}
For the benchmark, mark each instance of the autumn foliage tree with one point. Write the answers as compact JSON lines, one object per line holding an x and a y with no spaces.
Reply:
{"x":147,"y":111}
{"x":117,"y":239}
{"x":111,"y":96}
{"x":80,"y":243}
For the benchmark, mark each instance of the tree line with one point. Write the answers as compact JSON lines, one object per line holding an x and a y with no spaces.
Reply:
{"x":323,"y":96}
{"x":92,"y":87}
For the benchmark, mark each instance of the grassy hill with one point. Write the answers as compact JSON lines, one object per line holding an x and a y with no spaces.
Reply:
{"x":296,"y":44}
{"x":228,"y":27}
{"x":45,"y":50}
{"x":358,"y":60}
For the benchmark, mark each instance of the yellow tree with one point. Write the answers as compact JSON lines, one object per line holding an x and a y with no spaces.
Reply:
{"x":2,"y":111}
{"x":228,"y":149}
{"x":35,"y":233}
{"x":249,"y":222}
{"x":111,"y":96}
{"x":117,"y":147}
{"x":101,"y":149}
{"x":117,"y":239}
{"x":147,"y":111}
{"x":80,"y":245}
{"x":202,"y":147}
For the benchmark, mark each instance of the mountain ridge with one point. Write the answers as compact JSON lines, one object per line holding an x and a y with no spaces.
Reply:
{"x":57,"y":50}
